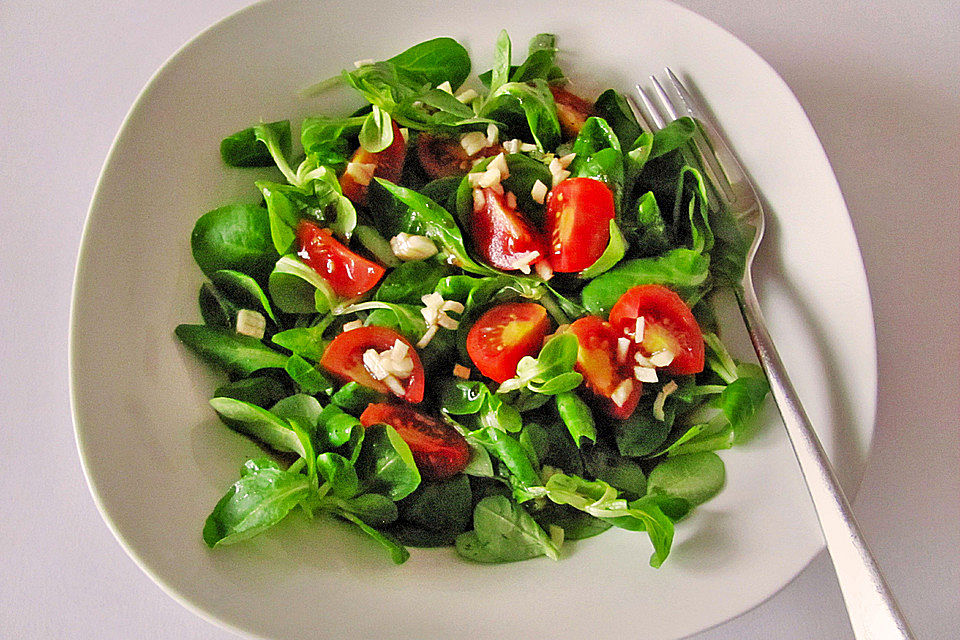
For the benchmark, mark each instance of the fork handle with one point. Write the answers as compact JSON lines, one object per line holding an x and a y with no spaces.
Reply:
{"x":874,"y":615}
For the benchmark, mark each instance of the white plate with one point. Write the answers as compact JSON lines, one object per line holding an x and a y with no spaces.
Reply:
{"x":157,"y":459}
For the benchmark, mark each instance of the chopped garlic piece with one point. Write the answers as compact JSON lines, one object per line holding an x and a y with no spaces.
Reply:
{"x":405,"y":133}
{"x":490,"y":177}
{"x":524,"y":260}
{"x":527,"y":147}
{"x":435,"y":315}
{"x":543,"y":269}
{"x":467,"y":96}
{"x":538,"y":192}
{"x":643,"y":361}
{"x":428,"y":336}
{"x":558,"y":171}
{"x":362,"y":63}
{"x":353,"y":324}
{"x":461,"y":371}
{"x":410,"y":247}
{"x":512,"y":146}
{"x":394,"y":385}
{"x":638,"y":330}
{"x":622,"y":392}
{"x":623,"y":349}
{"x":373,"y":363}
{"x":361,"y":172}
{"x":473,"y":142}
{"x":445,"y":86}
{"x":566,"y":160}
{"x":493,"y":134}
{"x":452,"y":305}
{"x":645,"y":374}
{"x":662,"y":358}
{"x":251,"y":323}
{"x":500,"y":162}
{"x":511,"y":200}
{"x":667,"y":389}
{"x":479,"y":200}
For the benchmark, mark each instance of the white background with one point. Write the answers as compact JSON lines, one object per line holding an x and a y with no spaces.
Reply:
{"x":880,"y":82}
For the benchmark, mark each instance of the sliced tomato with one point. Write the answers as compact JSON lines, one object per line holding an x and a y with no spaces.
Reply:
{"x":668,"y":324}
{"x":348,"y":274}
{"x":578,"y":223}
{"x":602,"y":372}
{"x":389,"y":166}
{"x":442,"y":156}
{"x":572,"y":111}
{"x":343,"y":358}
{"x":502,"y":236}
{"x":505,"y":334}
{"x":438,"y":449}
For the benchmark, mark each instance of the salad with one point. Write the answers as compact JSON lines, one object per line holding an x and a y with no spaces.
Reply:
{"x":472,"y":314}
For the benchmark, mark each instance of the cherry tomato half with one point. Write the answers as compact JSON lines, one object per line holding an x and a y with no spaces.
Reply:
{"x":578,"y":223}
{"x":343,"y":358}
{"x":603,"y":374}
{"x":505,"y":334}
{"x":389,"y":166}
{"x":438,"y":449}
{"x":502,"y":236}
{"x":348,"y":274}
{"x":572,"y":111}
{"x":442,"y":156}
{"x":668,"y":324}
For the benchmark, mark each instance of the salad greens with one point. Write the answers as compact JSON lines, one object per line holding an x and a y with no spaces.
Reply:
{"x":545,"y":461}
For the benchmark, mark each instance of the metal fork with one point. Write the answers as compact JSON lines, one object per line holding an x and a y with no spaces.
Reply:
{"x":873,"y":613}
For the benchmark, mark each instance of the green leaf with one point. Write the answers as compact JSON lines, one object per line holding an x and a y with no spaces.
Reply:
{"x":443,"y":506}
{"x":260,"y":499}
{"x":374,"y":509}
{"x":377,"y":245}
{"x":621,"y":473}
{"x":540,"y":62}
{"x":681,"y":269}
{"x":398,"y":553}
{"x":243,"y":291}
{"x":258,"y":423}
{"x":376,"y":134}
{"x":695,"y":477}
{"x":616,"y":249}
{"x":501,"y":62}
{"x":504,"y":532}
{"x":426,"y":217}
{"x":354,"y":398}
{"x":308,"y":377}
{"x":307,"y":342}
{"x":329,"y":141}
{"x":742,"y":400}
{"x":386,"y":464}
{"x":435,"y":61}
{"x":510,"y":452}
{"x":235,"y":237}
{"x":576,"y":415}
{"x":673,"y":136}
{"x":215,"y":309}
{"x":614,"y":109}
{"x":339,"y":475}
{"x":284,"y":216}
{"x":340,"y":428}
{"x":274,"y":144}
{"x":641,"y":433}
{"x":296,"y":288}
{"x":261,"y":391}
{"x":243,"y":149}
{"x":525,"y":105}
{"x":233,"y":352}
{"x":409,"y":282}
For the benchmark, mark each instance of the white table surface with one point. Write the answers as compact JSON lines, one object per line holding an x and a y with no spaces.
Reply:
{"x":881,"y":85}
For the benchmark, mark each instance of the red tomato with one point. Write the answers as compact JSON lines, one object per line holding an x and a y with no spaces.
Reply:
{"x":438,"y":449}
{"x":603,"y":374}
{"x":503,"y":335}
{"x":348,"y":274}
{"x":578,"y":223}
{"x":572,"y":111}
{"x":389,"y":166}
{"x":502,"y":236}
{"x":343,"y":358}
{"x":668,"y":324}
{"x":442,"y":156}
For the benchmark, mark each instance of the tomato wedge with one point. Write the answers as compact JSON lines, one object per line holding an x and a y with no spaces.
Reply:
{"x":505,"y":334}
{"x":438,"y":449}
{"x":578,"y":223}
{"x":668,"y":324}
{"x":502,"y":236}
{"x":572,"y":111}
{"x":389,"y":166}
{"x":348,"y":274}
{"x":611,"y":381}
{"x":343,"y":358}
{"x":442,"y":156}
